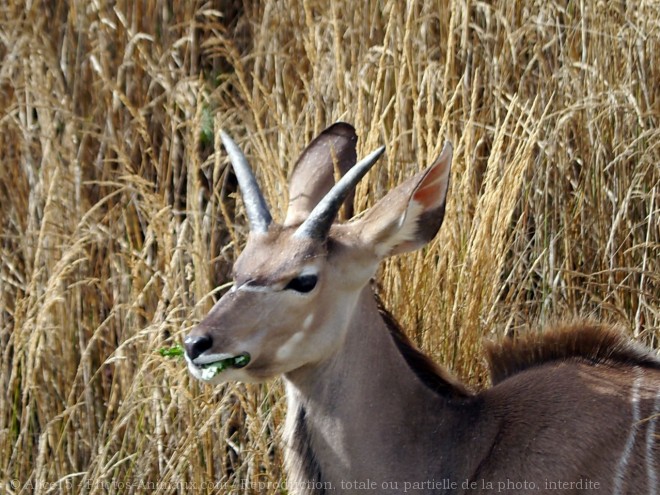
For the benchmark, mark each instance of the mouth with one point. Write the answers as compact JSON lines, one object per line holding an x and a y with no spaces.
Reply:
{"x":211,"y":366}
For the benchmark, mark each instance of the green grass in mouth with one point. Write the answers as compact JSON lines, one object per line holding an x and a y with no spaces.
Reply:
{"x":210,"y":370}
{"x":177,"y":351}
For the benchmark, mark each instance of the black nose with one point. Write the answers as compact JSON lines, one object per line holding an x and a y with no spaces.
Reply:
{"x":197,"y":344}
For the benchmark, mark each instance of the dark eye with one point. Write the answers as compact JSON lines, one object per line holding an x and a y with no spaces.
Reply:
{"x":304,"y":283}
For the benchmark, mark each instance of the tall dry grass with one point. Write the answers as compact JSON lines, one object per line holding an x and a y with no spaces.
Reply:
{"x":118,"y":217}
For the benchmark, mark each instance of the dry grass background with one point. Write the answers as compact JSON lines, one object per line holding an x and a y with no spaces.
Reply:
{"x":117,"y":216}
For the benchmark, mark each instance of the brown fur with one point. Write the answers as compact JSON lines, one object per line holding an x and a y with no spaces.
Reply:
{"x":426,"y":370}
{"x":586,"y":341}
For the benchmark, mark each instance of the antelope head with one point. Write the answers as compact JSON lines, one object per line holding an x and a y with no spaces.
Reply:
{"x":296,"y":285}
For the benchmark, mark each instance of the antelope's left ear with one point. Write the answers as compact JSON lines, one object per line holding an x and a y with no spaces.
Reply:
{"x":411,"y":214}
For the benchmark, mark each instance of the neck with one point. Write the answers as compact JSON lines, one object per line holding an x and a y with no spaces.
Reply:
{"x":339,"y":409}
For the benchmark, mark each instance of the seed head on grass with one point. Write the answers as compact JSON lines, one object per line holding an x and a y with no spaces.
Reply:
{"x":120,"y":219}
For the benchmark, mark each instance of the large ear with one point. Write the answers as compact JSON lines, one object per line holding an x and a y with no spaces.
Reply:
{"x":410,"y":215}
{"x":314,"y":173}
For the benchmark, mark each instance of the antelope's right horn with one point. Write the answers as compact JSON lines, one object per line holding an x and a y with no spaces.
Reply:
{"x":255,"y":204}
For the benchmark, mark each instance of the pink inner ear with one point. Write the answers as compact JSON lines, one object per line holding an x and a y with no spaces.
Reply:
{"x":430,"y":193}
{"x":427,"y":195}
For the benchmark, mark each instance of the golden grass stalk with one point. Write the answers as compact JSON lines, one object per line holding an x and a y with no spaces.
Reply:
{"x":120,"y":224}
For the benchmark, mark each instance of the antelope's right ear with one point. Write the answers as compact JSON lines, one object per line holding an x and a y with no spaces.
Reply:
{"x":411,"y":214}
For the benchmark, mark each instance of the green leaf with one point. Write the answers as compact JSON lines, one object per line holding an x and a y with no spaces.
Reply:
{"x":242,"y":360}
{"x":176,"y":351}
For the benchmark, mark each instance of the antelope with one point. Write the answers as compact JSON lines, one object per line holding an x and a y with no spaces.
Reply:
{"x":573,"y":409}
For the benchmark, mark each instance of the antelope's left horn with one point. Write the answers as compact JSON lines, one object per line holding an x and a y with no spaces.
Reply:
{"x":319,"y":221}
